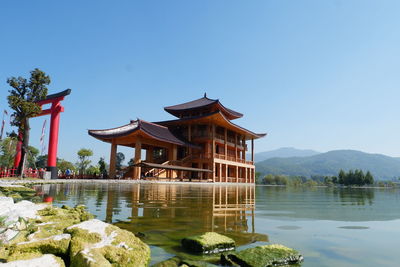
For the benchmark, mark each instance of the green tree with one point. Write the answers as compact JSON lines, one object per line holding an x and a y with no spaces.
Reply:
{"x":341,"y":177}
{"x":22,"y":99}
{"x":102,"y":167}
{"x":84,"y":161}
{"x":120,"y":157}
{"x":280,"y":180}
{"x":93,"y":170}
{"x":41,"y":161}
{"x":369,"y":179}
{"x":63,"y":165}
{"x":7,"y":147}
{"x":33,"y":152}
{"x":269,"y":179}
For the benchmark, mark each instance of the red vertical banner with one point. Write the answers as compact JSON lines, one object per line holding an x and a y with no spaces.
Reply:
{"x":3,"y":123}
{"x":42,"y":144}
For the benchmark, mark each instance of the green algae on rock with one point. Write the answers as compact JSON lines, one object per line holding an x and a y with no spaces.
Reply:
{"x":18,"y":192}
{"x":263,"y":256}
{"x":172,"y":262}
{"x":208,"y":243}
{"x":95,"y":243}
{"x":178,"y":262}
{"x":58,"y":245}
{"x":54,"y":220}
{"x":46,"y":260}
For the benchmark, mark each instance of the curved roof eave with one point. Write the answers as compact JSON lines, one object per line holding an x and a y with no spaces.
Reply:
{"x":134,"y":126}
{"x":254,"y":135}
{"x":203,"y":102}
{"x":114,"y":132}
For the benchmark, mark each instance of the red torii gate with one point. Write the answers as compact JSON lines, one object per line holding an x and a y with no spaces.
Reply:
{"x":54,"y":111}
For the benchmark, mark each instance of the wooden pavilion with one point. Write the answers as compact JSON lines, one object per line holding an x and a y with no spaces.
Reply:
{"x":201,"y":144}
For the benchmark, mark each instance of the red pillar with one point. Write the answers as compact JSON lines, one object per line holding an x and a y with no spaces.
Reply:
{"x":56,"y":109}
{"x":18,"y":151}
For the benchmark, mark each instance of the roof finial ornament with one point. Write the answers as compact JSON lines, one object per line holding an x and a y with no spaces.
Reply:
{"x":205,"y":94}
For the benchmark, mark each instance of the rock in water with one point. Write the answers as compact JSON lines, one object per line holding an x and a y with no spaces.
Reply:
{"x":98,"y":244}
{"x":178,"y":262}
{"x":263,"y":256}
{"x":57,"y":244}
{"x":208,"y":243}
{"x":47,"y":260}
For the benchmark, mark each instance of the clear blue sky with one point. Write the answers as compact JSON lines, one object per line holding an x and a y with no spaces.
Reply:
{"x":316,"y":74}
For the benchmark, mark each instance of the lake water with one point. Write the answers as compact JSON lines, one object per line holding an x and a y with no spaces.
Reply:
{"x":329,"y":226}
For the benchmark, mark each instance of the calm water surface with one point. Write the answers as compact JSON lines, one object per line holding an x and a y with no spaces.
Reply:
{"x":330,"y":227}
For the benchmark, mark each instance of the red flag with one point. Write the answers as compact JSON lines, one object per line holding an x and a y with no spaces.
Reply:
{"x":2,"y":129}
{"x":42,"y":136}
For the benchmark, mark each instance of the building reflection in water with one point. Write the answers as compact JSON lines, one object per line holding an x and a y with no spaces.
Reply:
{"x":166,"y":213}
{"x":232,"y":206}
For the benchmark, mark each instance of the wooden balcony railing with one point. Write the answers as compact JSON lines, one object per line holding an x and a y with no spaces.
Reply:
{"x":230,"y":158}
{"x":223,"y":157}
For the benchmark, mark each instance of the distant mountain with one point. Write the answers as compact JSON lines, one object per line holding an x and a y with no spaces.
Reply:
{"x":284,"y":152}
{"x":382,"y":167}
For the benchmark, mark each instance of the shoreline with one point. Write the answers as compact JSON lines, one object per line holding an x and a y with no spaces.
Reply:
{"x":109,"y":181}
{"x":6,"y":181}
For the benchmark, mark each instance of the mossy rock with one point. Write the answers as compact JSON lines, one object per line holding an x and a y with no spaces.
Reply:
{"x":192,"y":263}
{"x":57,"y":245}
{"x":178,"y":262}
{"x":95,"y":243}
{"x":208,"y":243}
{"x":17,"y":189}
{"x":18,"y":193}
{"x":47,"y":260}
{"x":263,"y":256}
{"x":15,"y":196}
{"x":55,"y":220}
{"x":172,"y":262}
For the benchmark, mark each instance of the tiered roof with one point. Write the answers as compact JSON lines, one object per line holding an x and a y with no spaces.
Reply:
{"x":202,"y":110}
{"x":202,"y":104}
{"x":216,"y":116}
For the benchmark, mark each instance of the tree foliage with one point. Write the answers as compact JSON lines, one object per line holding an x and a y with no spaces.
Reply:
{"x":356,"y":177}
{"x":7,"y":147}
{"x":41,"y":161}
{"x":93,"y":170}
{"x":63,"y":165}
{"x":22,"y":100}
{"x":7,"y":153}
{"x":120,"y":157}
{"x":84,"y":161}
{"x":33,"y":152}
{"x":102,"y":166}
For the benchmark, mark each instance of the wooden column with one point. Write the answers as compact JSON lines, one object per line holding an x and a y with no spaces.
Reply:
{"x":244,"y":149}
{"x":226,"y":173}
{"x":213,"y":151}
{"x":149,"y":154}
{"x":235,"y":146}
{"x":113,"y":156}
{"x":245,"y":176}
{"x":237,"y":174}
{"x":252,"y":150}
{"x":172,"y":152}
{"x":220,"y":172}
{"x":137,"y":159}
{"x":226,"y":143}
{"x":190,"y":137}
